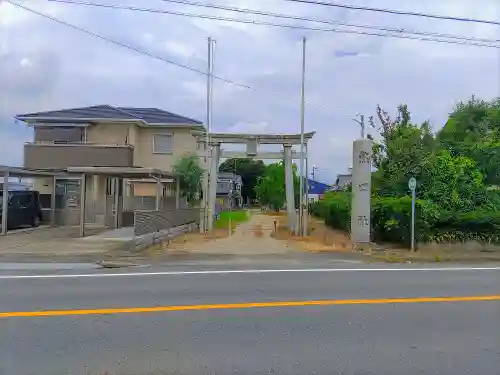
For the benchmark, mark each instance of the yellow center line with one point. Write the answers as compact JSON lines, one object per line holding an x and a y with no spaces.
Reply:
{"x":245,"y":305}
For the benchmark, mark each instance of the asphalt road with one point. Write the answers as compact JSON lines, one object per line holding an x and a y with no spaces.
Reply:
{"x":349,"y":337}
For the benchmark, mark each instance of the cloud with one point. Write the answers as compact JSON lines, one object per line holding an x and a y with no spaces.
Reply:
{"x":45,"y":65}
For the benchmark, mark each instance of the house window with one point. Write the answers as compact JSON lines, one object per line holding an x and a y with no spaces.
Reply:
{"x":163,"y":143}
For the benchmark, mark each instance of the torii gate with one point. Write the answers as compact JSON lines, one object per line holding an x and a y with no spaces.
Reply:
{"x":252,"y":142}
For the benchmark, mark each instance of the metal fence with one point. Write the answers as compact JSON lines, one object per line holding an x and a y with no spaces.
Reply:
{"x":149,"y":203}
{"x":154,"y":221}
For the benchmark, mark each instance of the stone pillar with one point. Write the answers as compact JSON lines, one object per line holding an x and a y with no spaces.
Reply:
{"x":290,"y":197}
{"x":361,"y":192}
{"x":306,"y":191}
{"x":212,"y":186}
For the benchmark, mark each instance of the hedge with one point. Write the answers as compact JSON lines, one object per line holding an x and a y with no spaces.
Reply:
{"x":391,"y":220}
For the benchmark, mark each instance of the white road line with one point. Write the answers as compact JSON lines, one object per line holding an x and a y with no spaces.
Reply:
{"x":254,"y":271}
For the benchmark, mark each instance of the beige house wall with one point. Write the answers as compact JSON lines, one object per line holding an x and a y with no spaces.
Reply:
{"x":183,"y":143}
{"x":142,"y":140}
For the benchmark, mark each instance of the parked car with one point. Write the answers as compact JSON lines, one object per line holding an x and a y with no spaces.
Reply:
{"x":24,"y":208}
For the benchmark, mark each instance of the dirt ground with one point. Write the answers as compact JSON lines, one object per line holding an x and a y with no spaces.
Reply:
{"x":265,"y":233}
{"x":252,"y":237}
{"x":321,"y":239}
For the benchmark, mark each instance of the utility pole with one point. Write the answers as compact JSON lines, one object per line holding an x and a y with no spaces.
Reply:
{"x":206,"y":195}
{"x":361,"y":122}
{"x":302,"y":120}
{"x":314,"y":169}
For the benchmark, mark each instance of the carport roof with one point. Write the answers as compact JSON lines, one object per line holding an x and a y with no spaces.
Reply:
{"x":24,"y":172}
{"x":127,"y":172}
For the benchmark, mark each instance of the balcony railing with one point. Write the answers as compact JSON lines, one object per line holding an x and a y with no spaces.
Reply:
{"x":50,"y":155}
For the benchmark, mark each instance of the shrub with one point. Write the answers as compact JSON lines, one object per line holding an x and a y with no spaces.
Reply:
{"x":481,"y":226}
{"x":335,"y":209}
{"x":391,"y":220}
{"x":492,"y":200}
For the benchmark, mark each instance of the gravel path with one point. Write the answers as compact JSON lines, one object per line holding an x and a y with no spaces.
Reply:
{"x":252,"y":237}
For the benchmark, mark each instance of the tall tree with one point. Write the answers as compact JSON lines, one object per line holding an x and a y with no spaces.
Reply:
{"x":473,"y":130}
{"x":455,"y":182}
{"x":401,"y":152}
{"x":250,"y":171}
{"x":190,"y":172}
{"x":271,"y":186}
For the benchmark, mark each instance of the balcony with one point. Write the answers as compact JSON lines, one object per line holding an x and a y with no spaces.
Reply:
{"x":49,"y":155}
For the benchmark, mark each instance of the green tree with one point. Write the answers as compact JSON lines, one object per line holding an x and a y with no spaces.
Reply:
{"x":455,"y":182}
{"x":473,"y":130}
{"x":270,"y":189}
{"x":190,"y":173}
{"x":401,"y":152}
{"x":250,"y":171}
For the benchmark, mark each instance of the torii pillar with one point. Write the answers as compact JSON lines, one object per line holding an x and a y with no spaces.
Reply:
{"x":289,"y":188}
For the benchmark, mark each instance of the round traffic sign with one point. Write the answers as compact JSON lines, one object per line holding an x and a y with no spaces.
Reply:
{"x":412,"y":184}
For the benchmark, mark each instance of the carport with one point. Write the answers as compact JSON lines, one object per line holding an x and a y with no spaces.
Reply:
{"x":8,"y":172}
{"x":118,"y":176}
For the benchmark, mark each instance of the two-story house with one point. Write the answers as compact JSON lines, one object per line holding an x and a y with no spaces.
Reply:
{"x":107,"y":136}
{"x":229,"y":190}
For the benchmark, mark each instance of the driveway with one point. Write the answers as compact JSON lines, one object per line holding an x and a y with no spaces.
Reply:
{"x":47,"y":241}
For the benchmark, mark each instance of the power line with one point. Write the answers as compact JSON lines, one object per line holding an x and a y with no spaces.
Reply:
{"x":265,"y":23}
{"x":397,"y":12}
{"x":329,"y":22}
{"x":161,"y":58}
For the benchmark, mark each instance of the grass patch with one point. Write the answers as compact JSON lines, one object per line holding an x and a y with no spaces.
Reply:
{"x":236,"y":217}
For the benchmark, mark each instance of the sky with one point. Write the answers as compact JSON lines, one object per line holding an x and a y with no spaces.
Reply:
{"x":45,"y":66}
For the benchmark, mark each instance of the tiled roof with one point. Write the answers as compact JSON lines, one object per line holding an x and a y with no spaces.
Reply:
{"x":158,"y":116}
{"x":149,"y":116}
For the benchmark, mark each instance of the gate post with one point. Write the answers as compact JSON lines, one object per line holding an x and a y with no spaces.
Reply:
{"x":290,"y":197}
{"x":212,"y":186}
